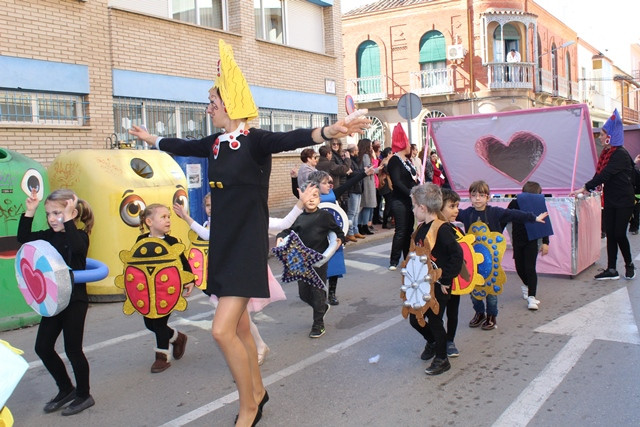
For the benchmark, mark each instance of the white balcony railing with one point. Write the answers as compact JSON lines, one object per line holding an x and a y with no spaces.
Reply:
{"x":510,"y":75}
{"x":432,"y":82}
{"x":545,"y":81}
{"x":367,"y":89}
{"x":562,"y":87}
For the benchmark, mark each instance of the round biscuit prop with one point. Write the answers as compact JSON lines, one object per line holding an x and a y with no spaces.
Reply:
{"x":43,"y":278}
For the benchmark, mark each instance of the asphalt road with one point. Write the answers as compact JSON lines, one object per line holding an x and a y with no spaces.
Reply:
{"x":572,"y":362}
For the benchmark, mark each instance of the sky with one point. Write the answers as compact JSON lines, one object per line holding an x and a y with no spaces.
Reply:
{"x":609,"y":29}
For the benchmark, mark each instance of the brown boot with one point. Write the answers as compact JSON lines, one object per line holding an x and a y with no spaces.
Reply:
{"x":179,"y":342}
{"x":162,"y":362}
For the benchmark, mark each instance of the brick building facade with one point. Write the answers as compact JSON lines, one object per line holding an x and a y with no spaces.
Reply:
{"x":71,"y":71}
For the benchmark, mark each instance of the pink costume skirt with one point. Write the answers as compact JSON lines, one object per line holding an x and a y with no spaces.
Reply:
{"x":257,"y":304}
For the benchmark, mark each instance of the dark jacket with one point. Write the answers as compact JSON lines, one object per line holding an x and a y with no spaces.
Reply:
{"x":617,"y":177}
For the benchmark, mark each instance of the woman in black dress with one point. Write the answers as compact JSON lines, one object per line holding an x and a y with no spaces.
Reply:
{"x":239,"y":171}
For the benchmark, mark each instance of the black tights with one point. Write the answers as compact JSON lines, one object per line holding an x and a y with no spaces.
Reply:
{"x":162,"y":330}
{"x":525,"y":258}
{"x":71,"y":323}
{"x":616,"y":220}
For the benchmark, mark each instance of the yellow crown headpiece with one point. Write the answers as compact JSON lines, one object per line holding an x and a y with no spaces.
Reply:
{"x":233,"y":87}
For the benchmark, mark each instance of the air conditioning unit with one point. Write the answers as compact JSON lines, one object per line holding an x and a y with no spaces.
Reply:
{"x":456,"y":51}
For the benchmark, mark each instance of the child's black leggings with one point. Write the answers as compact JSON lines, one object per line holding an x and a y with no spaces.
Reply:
{"x":525,"y":257}
{"x":160,"y":327}
{"x":71,"y":323}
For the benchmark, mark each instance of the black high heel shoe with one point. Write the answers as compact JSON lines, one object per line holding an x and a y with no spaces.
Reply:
{"x":264,"y":400}
{"x":255,"y":420}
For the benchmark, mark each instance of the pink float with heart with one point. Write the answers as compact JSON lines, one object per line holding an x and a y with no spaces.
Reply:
{"x":517,"y":159}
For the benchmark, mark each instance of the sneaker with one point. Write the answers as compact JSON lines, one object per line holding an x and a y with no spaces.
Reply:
{"x":525,"y":292}
{"x":629,"y":271}
{"x":608,"y":274}
{"x":452,"y":351}
{"x":79,"y":405}
{"x":393,"y":268}
{"x":61,"y":399}
{"x":429,"y":351}
{"x":477,"y":320}
{"x":489,"y":323}
{"x":317,"y":332}
{"x":438,"y":366}
{"x":532,"y":303}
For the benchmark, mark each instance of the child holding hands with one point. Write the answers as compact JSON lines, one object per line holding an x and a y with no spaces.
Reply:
{"x":495,"y":218}
{"x":64,"y":213}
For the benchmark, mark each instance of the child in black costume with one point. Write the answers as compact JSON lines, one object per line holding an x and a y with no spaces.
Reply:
{"x":156,"y":218}
{"x":525,"y":251}
{"x":64,"y":210}
{"x":447,"y":254}
{"x":313,"y":227}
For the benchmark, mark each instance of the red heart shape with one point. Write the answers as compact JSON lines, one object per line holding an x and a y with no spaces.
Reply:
{"x":517,"y":159}
{"x":35,"y":280}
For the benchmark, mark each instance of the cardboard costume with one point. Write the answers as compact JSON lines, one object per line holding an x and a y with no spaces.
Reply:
{"x":153,"y":278}
{"x":419,"y":275}
{"x":491,"y":245}
{"x":198,"y":257}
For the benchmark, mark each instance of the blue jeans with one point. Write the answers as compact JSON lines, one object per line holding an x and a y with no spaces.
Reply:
{"x":366,"y":215}
{"x":492,"y":305}
{"x":352,"y":212}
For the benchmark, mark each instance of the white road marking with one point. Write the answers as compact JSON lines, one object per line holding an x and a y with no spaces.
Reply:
{"x":280,"y":375}
{"x":596,"y":320}
{"x":117,"y":340}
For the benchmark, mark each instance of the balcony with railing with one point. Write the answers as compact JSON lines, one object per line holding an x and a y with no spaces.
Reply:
{"x":367,"y":89}
{"x":432,"y":82}
{"x":545,"y":82}
{"x":510,"y":75}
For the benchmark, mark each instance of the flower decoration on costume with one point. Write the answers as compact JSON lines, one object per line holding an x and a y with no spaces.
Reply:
{"x":233,"y":87}
{"x":419,"y":275}
{"x":298,"y":260}
{"x":491,"y":245}
{"x":153,"y":278}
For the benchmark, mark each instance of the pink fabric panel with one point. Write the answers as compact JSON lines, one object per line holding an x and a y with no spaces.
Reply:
{"x":561,"y":250}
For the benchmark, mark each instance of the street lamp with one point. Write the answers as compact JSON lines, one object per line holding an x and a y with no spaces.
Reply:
{"x":562,"y":46}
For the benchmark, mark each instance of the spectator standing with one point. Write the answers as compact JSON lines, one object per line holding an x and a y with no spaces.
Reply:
{"x":309,"y":159}
{"x":368,"y":202}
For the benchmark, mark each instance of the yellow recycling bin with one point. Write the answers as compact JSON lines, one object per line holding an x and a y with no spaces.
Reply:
{"x":119,"y":184}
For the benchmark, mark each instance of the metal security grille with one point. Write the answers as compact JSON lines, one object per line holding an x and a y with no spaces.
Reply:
{"x":162,"y":118}
{"x":42,"y":108}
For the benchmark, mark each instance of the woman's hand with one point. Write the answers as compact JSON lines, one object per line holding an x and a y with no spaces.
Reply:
{"x":31,"y":204}
{"x":294,"y":173}
{"x":142,"y":134}
{"x":355,"y":122}
{"x":637,"y":159}
{"x":580,"y":190}
{"x":544,"y":249}
{"x":542,"y":216}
